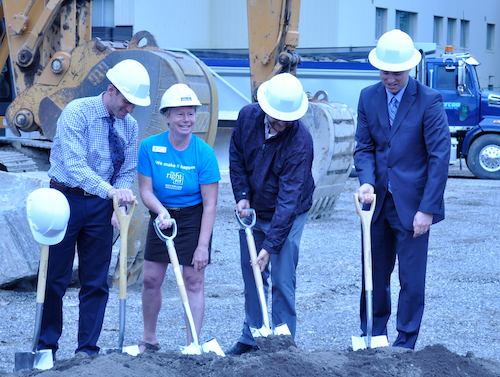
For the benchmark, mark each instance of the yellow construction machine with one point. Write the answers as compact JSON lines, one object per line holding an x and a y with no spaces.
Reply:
{"x":50,"y":59}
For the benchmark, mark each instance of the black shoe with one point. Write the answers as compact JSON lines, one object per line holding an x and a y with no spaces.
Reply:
{"x":241,"y":348}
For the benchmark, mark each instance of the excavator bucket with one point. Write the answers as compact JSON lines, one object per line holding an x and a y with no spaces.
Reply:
{"x":332,"y":126}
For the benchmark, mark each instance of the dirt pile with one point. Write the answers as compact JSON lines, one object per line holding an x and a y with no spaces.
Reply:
{"x":430,"y":361}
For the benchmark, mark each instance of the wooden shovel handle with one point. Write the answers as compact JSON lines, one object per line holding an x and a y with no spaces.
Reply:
{"x":366,"y":219}
{"x":42,"y":275}
{"x":124,"y":221}
{"x":253,"y":257}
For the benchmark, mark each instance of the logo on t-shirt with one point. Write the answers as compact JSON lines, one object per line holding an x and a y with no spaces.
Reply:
{"x":177,"y":179}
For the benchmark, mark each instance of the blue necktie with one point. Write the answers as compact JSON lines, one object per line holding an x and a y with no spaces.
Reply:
{"x":393,"y":109}
{"x":115,"y":149}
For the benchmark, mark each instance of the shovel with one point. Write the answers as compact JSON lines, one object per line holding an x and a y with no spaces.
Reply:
{"x":265,"y":330}
{"x":124,"y":221}
{"x":38,"y":208}
{"x":41,"y":359}
{"x":194,"y":348}
{"x":369,"y":341}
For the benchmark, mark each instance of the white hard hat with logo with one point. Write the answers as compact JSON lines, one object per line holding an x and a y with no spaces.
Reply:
{"x":178,"y":95}
{"x":395,"y":52}
{"x":132,"y":80}
{"x":283,"y":98}
{"x":48,"y":215}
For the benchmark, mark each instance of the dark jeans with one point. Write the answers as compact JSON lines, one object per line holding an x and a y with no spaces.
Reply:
{"x":90,"y":229}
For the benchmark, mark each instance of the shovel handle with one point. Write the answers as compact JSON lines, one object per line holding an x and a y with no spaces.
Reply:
{"x":174,"y":260}
{"x":366,"y":218}
{"x":124,"y":221}
{"x":246,"y":222}
{"x":172,"y":253}
{"x":42,"y":274}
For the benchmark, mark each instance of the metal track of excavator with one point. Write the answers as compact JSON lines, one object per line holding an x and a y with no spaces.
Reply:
{"x":15,"y":162}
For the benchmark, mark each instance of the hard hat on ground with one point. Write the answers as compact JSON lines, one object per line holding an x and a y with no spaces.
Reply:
{"x":395,"y":52}
{"x":178,"y":95}
{"x":132,"y":80}
{"x":48,"y":215}
{"x":283,"y":98}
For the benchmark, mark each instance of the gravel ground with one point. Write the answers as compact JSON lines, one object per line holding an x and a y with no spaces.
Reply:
{"x":463,"y":296}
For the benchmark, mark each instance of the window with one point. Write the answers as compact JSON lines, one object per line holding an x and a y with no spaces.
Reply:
{"x":447,"y":80}
{"x":450,"y":40}
{"x":380,"y":22}
{"x":406,"y":21}
{"x":438,"y":30}
{"x":490,"y":37}
{"x":464,"y":33}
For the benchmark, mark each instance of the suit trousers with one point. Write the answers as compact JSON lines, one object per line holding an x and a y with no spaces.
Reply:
{"x":391,"y":239}
{"x":281,"y":269}
{"x":90,"y":229}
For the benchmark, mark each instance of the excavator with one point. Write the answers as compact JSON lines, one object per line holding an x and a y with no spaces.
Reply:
{"x":49,"y":58}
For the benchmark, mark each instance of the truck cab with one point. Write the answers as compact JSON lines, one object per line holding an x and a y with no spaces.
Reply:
{"x":473,"y":113}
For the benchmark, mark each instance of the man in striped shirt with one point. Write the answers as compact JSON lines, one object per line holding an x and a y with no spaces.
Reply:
{"x":93,"y":158}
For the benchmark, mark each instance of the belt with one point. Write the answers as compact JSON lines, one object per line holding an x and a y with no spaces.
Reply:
{"x":74,"y":190}
{"x":174,"y":208}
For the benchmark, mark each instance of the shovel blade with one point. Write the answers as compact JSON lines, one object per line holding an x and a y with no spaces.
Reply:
{"x":360,"y":342}
{"x":192,"y":349}
{"x":131,"y":350}
{"x":282,"y":330}
{"x":262,"y":332}
{"x":213,"y":346}
{"x":210,"y":346}
{"x":33,"y":360}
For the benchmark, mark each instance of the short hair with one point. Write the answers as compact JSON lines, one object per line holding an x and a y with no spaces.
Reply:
{"x":167,"y":110}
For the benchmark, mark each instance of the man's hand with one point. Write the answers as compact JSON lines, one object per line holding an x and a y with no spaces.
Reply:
{"x":241,"y":206}
{"x":365,"y":193}
{"x":125,"y":196}
{"x":421,"y":223}
{"x":114,"y":219}
{"x":262,"y":259}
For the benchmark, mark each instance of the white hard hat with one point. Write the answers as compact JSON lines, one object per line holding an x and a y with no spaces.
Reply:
{"x":178,"y":95}
{"x":283,"y":98}
{"x":395,"y":52}
{"x":48,"y":215}
{"x":132,"y":80}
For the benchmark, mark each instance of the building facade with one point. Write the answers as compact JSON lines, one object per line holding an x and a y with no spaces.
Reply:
{"x":469,"y":26}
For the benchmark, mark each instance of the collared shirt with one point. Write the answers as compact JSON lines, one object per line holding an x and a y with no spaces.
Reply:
{"x":80,"y":155}
{"x":398,"y":96}
{"x":268,"y":129}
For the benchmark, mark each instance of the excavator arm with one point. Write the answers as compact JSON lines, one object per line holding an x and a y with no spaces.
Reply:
{"x":273,"y":35}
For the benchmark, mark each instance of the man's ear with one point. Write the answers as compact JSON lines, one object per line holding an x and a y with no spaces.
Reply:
{"x":111,"y":90}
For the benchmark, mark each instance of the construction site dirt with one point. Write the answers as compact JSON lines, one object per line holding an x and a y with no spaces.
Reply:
{"x":459,"y":334}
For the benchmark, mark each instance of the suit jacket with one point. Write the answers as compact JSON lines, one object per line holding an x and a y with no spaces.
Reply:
{"x":413,"y":154}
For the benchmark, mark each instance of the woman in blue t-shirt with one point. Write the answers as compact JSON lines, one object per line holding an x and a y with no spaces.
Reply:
{"x":178,"y":178}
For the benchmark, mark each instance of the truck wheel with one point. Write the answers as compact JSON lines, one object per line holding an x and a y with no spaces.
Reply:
{"x":483,"y":158}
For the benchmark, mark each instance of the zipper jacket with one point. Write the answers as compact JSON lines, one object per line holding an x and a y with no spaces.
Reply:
{"x":274,"y":174}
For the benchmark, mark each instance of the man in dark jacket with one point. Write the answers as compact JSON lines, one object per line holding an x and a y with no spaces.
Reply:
{"x":271,"y":156}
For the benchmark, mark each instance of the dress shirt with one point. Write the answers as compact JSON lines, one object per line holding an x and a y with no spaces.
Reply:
{"x":80,"y":156}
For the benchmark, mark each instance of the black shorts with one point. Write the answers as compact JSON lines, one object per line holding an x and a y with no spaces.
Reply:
{"x":188,"y":231}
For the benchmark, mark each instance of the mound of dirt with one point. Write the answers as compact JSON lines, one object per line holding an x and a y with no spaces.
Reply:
{"x":388,"y":361}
